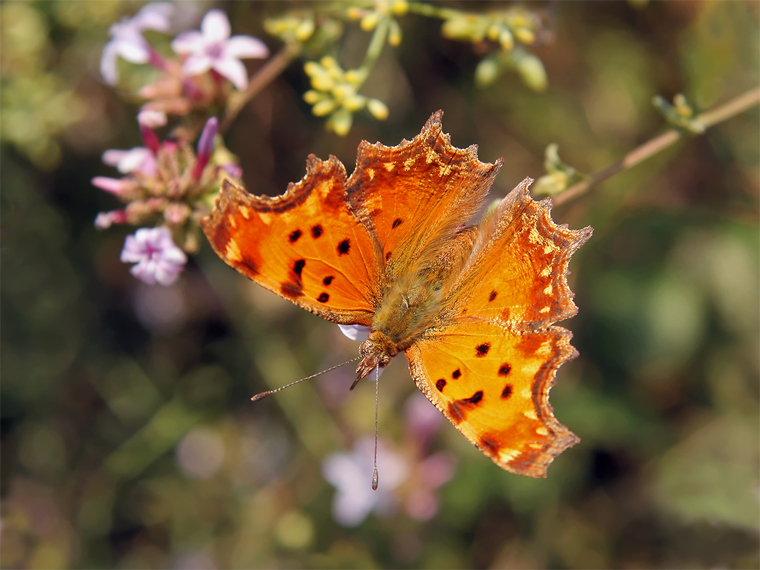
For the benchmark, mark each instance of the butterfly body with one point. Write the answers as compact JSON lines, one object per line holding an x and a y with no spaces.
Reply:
{"x":472,"y":307}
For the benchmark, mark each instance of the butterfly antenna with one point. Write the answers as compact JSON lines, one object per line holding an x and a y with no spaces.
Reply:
{"x":377,"y":407}
{"x":263,"y":395}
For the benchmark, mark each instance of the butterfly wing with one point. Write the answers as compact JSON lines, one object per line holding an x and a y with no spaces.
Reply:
{"x":489,"y":368}
{"x":306,"y":245}
{"x":416,"y":195}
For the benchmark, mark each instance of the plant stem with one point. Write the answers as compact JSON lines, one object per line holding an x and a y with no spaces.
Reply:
{"x":738,"y":105}
{"x":374,"y":49}
{"x":271,"y":69}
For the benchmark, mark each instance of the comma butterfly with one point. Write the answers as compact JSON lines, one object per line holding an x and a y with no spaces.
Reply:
{"x":389,"y":248}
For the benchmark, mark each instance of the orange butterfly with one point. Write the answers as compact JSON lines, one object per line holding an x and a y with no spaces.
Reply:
{"x":471,"y":307}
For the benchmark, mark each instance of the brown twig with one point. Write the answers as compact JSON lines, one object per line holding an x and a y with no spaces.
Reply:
{"x":271,"y":69}
{"x":650,"y":148}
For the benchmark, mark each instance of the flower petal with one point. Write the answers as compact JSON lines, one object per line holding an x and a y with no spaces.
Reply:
{"x":153,"y":16}
{"x":215,"y":26}
{"x":189,"y":42}
{"x":166,"y":273}
{"x":152,"y":118}
{"x":245,"y":47}
{"x":195,"y":65}
{"x":233,"y":70}
{"x":133,"y":48}
{"x":145,"y":271}
{"x":113,"y":185}
{"x":108,"y":66}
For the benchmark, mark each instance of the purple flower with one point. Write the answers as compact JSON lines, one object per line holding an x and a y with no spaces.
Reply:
{"x":351,"y":474}
{"x":213,"y":48}
{"x":128,"y":42}
{"x":158,"y":259}
{"x":138,"y":159}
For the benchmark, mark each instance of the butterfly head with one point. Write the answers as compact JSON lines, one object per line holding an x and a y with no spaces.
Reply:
{"x":376,"y":351}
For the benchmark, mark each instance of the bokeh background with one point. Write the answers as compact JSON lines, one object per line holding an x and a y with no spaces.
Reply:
{"x":128,"y":437}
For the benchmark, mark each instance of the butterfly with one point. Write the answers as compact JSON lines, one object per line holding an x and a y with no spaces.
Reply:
{"x":472,"y":307}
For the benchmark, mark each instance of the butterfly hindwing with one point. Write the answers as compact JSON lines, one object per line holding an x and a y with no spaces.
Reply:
{"x":493,"y":385}
{"x":306,"y":245}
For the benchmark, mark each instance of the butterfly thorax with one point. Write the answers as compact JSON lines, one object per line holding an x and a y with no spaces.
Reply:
{"x":408,"y":308}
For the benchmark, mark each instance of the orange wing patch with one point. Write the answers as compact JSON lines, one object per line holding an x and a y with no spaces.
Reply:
{"x":493,"y":385}
{"x":306,"y":245}
{"x":517,"y":274}
{"x":418,"y":192}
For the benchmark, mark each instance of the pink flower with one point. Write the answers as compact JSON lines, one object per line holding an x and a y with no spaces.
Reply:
{"x":213,"y":48}
{"x":138,"y":159}
{"x":128,"y":42}
{"x":157,"y":257}
{"x":351,"y":475}
{"x":115,"y":186}
{"x":152,"y":118}
{"x":105,"y":220}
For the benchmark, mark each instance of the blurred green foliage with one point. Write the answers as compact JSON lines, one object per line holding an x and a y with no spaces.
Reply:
{"x":128,"y":438}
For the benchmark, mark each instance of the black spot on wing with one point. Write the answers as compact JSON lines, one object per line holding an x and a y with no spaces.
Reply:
{"x":482,"y":349}
{"x":507,"y":391}
{"x":388,"y":256}
{"x":344,"y":247}
{"x":396,"y":223}
{"x":492,"y":296}
{"x":475,"y":398}
{"x":298,"y":267}
{"x":440,"y":384}
{"x":456,"y":374}
{"x":504,"y":369}
{"x":294,"y":236}
{"x":316,"y":231}
{"x":323,"y":298}
{"x":327,"y":280}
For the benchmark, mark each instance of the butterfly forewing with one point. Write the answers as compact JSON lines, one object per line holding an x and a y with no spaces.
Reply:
{"x":416,"y":195}
{"x":306,"y":245}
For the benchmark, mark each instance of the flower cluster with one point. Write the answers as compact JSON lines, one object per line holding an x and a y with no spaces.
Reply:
{"x":167,"y":184}
{"x":369,"y":17}
{"x":194,"y":80}
{"x":507,"y":28}
{"x":334,"y":93}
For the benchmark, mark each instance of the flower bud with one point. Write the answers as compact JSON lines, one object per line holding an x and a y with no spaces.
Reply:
{"x":304,"y":30}
{"x":394,"y":34}
{"x":355,"y":102}
{"x":532,"y":72}
{"x":312,"y":96}
{"x":324,"y":107}
{"x":369,"y":22}
{"x":486,"y":72}
{"x":340,"y":122}
{"x":525,"y":35}
{"x":506,"y":40}
{"x":378,"y":109}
